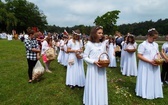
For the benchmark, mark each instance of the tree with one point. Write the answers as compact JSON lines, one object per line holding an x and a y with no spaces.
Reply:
{"x":27,"y":14}
{"x":108,"y":21}
{"x":7,"y":19}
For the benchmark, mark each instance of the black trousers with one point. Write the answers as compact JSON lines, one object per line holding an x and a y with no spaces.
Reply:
{"x":118,"y":54}
{"x":31,"y":65}
{"x":164,"y":73}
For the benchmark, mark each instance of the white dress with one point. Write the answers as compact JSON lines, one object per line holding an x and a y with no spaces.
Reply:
{"x":123,"y":44}
{"x":60,"y":55}
{"x":111,"y":53}
{"x":95,"y":91}
{"x":65,"y":61}
{"x":9,"y":37}
{"x":148,"y":83}
{"x":75,"y":72}
{"x":130,"y":62}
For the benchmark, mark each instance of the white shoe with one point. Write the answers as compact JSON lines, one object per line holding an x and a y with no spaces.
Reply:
{"x":162,"y":83}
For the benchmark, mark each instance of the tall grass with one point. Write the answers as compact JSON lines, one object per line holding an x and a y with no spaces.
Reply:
{"x":51,"y":90}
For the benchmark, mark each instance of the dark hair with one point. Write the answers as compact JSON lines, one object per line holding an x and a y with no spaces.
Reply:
{"x":93,"y":35}
{"x":131,"y":37}
{"x":30,"y":31}
{"x":152,"y":32}
{"x":111,"y":38}
{"x":125,"y":38}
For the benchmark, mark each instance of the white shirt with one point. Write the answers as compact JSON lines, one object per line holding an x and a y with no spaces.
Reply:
{"x":45,"y":46}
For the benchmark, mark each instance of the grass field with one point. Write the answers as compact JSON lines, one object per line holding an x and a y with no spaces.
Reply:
{"x":51,"y":90}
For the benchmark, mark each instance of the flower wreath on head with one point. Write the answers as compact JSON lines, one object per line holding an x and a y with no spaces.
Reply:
{"x":73,"y":32}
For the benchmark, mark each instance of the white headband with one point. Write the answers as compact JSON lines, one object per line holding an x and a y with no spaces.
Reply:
{"x":152,"y":29}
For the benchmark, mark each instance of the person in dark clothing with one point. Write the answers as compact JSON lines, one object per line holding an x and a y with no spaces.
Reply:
{"x":32,"y":52}
{"x":118,"y":41}
{"x":164,"y":52}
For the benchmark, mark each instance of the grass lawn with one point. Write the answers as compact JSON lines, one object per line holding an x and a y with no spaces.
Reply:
{"x":51,"y":90}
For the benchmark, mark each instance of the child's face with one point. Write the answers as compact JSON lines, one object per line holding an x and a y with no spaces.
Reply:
{"x":152,"y":38}
{"x":111,"y":40}
{"x":130,"y":40}
{"x":99,"y":33}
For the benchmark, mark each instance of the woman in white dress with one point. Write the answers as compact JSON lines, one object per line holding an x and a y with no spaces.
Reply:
{"x":148,"y":83}
{"x":111,"y":52}
{"x":130,"y":62}
{"x":75,"y":75}
{"x":95,"y":91}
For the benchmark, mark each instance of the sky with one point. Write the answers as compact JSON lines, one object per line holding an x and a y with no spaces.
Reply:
{"x":69,"y":13}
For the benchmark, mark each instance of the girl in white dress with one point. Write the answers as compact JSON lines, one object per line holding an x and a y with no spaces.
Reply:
{"x":130,"y":62}
{"x":95,"y":91}
{"x":111,"y":52}
{"x":123,"y":44}
{"x":75,"y":75}
{"x":60,"y":55}
{"x":148,"y":83}
{"x":65,"y":61}
{"x":45,"y":46}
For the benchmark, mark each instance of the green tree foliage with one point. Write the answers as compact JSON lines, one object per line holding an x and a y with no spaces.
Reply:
{"x":108,"y":21}
{"x":21,"y":14}
{"x":141,"y":28}
{"x":7,"y":19}
{"x":57,"y":29}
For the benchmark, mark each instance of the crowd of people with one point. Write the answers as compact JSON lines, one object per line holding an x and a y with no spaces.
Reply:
{"x":72,"y":50}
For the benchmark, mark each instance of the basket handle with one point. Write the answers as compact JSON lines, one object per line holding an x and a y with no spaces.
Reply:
{"x":157,"y":54}
{"x":105,"y":54}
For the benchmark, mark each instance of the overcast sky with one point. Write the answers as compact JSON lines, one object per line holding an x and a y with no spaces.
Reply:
{"x":76,"y":12}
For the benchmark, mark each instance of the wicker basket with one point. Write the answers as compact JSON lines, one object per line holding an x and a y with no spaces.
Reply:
{"x":104,"y":63}
{"x":158,"y":60}
{"x":131,"y":50}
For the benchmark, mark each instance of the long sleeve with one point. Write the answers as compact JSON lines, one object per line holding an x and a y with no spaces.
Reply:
{"x":86,"y":54}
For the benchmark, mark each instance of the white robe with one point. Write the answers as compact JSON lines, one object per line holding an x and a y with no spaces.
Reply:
{"x":75,"y":72}
{"x":148,"y":83}
{"x":61,"y":53}
{"x":95,"y":91}
{"x":130,"y":62}
{"x":112,"y":57}
{"x":123,"y":44}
